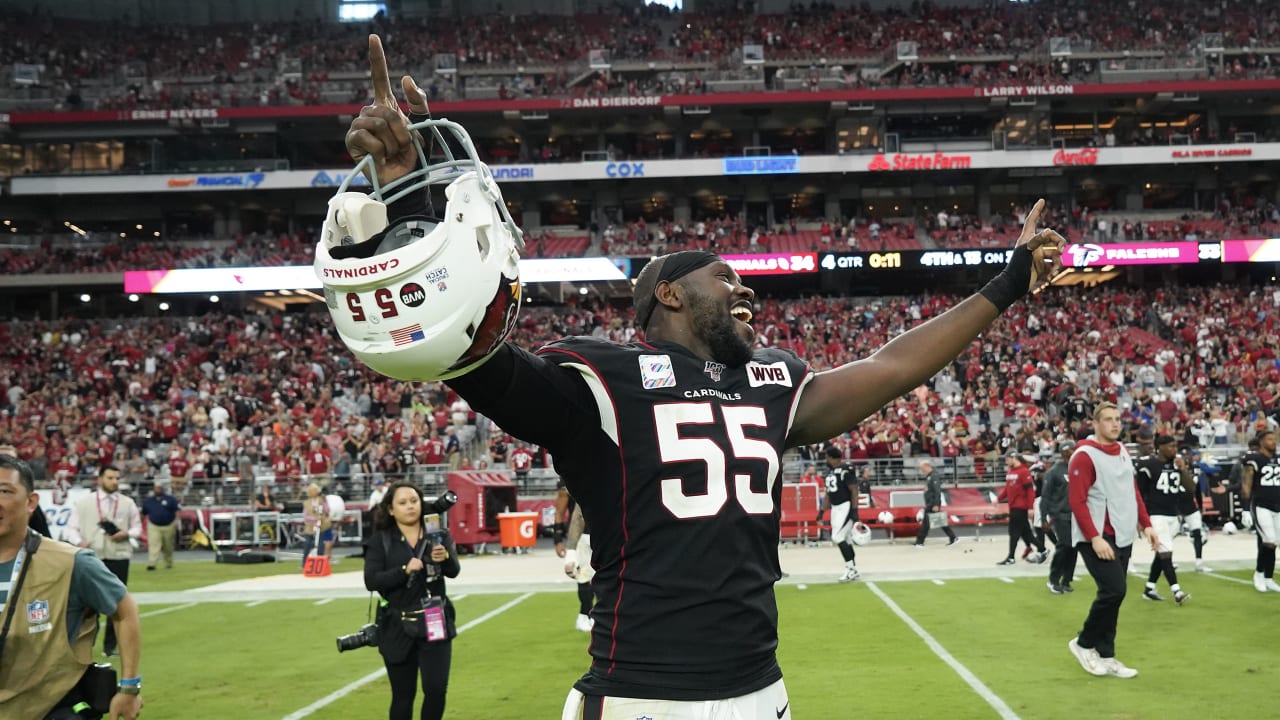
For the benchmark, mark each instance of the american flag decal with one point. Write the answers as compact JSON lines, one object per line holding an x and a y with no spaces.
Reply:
{"x":406,"y":335}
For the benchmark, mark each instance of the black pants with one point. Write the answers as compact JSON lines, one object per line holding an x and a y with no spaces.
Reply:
{"x":1020,"y":529}
{"x":1099,"y":630}
{"x":924,"y":530}
{"x":431,"y":661}
{"x":119,"y":568}
{"x":1063,"y":566}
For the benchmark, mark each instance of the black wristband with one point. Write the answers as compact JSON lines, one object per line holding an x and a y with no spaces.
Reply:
{"x":1012,"y":283}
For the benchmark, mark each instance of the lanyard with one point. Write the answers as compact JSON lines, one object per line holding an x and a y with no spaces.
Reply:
{"x":115,"y":505}
{"x":413,"y":549}
{"x":14,"y":575}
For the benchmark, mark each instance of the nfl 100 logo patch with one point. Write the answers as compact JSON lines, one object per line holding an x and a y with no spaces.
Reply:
{"x":656,"y":372}
{"x":38,"y":612}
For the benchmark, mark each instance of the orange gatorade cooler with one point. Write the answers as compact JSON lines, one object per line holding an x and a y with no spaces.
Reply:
{"x":518,"y":529}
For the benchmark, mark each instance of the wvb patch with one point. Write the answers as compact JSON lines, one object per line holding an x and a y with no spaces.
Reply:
{"x":759,"y":374}
{"x":656,"y":372}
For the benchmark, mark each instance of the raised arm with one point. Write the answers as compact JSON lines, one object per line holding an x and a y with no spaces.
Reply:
{"x":837,"y":400}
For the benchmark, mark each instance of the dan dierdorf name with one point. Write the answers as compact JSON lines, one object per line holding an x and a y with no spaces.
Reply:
{"x":362,"y":271}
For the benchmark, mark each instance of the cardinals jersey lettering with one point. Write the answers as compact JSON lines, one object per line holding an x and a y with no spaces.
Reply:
{"x":1161,"y":486}
{"x":1266,"y":480}
{"x":677,"y":476}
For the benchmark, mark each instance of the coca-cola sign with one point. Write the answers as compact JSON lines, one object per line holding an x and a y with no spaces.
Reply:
{"x":1084,"y":156}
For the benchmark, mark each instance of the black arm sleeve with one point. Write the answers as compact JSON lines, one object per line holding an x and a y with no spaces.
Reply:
{"x":377,"y":576}
{"x":450,"y":567}
{"x":530,"y":397}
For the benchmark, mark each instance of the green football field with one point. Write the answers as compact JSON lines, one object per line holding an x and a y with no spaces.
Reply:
{"x":979,"y":648}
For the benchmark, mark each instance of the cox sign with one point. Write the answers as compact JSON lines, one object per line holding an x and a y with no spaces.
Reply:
{"x":624,"y":169}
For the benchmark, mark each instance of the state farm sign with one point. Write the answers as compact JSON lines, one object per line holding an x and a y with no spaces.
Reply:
{"x":1087,"y":156}
{"x":927,"y":161}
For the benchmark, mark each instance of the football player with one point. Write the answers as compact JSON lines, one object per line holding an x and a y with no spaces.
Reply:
{"x":1260,"y":486}
{"x":842,"y":488}
{"x":1164,"y":478}
{"x":672,"y":446}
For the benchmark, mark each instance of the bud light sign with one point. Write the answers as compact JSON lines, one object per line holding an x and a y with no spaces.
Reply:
{"x":781,"y":165}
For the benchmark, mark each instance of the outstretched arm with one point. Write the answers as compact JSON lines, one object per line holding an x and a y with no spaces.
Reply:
{"x":837,"y":400}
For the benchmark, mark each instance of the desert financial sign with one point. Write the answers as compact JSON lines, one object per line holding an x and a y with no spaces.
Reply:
{"x":1083,"y":255}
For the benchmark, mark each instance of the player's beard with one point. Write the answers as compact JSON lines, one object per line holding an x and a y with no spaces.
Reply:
{"x":717,"y":328}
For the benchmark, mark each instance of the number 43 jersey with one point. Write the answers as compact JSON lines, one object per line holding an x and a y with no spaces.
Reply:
{"x":679,"y":484}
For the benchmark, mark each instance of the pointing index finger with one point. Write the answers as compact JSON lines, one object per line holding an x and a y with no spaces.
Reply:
{"x":1033,"y":218}
{"x":378,"y":76}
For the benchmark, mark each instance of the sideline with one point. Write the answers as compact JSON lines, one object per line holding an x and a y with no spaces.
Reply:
{"x":380,"y":672}
{"x":983,"y":691}
{"x":1228,"y":577}
{"x":162,"y":611}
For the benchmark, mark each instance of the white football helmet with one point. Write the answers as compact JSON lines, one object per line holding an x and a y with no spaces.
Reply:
{"x":861,"y":534}
{"x":423,"y":298}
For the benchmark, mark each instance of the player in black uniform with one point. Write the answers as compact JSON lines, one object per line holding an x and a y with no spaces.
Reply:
{"x":1189,"y":505}
{"x":1164,"y":478}
{"x":842,"y":487}
{"x":1261,"y":488}
{"x":672,"y":447}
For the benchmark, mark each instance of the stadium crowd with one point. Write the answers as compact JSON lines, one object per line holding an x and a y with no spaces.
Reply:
{"x":86,"y":65}
{"x":195,"y":400}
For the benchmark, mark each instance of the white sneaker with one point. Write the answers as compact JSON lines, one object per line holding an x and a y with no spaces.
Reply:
{"x":1259,"y":582}
{"x":584,"y":623}
{"x":1271,"y":585}
{"x":1088,"y":658}
{"x":1112,"y":666}
{"x":1201,"y":567}
{"x":850,"y":574}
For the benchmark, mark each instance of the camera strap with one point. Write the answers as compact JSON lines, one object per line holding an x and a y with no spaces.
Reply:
{"x":29,"y":548}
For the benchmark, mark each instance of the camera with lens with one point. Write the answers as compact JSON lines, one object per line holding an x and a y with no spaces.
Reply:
{"x":108,"y":527}
{"x":366,"y":636}
{"x":441,"y":504}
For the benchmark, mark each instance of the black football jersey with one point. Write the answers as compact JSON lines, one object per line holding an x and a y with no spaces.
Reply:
{"x":1266,"y":480}
{"x":676,"y":468}
{"x":1161,"y":486}
{"x":837,"y":481}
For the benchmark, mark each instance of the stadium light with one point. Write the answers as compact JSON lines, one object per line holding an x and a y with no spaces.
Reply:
{"x":213,"y":298}
{"x":133,"y":297}
{"x":164,"y":306}
{"x":84,"y":297}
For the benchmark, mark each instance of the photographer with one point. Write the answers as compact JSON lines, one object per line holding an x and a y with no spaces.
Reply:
{"x":49,"y":593}
{"x":407,"y":562}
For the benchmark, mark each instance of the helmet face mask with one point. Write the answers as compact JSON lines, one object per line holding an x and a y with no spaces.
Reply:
{"x":422,"y":298}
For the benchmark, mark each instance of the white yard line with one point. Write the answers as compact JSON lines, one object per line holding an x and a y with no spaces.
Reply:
{"x":255,"y":603}
{"x":1228,"y":577}
{"x":1001,"y":708}
{"x":162,"y":611}
{"x":938,"y":582}
{"x":325,"y":601}
{"x":356,"y":685}
{"x":1008,"y":580}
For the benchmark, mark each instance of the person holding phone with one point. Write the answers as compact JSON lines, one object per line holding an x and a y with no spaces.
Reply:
{"x":408,"y":559}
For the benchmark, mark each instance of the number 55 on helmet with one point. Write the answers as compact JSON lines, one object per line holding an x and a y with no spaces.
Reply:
{"x":423,"y":298}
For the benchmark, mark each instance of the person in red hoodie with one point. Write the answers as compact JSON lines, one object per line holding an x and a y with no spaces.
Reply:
{"x":1020,"y":492}
{"x":1106,"y":515}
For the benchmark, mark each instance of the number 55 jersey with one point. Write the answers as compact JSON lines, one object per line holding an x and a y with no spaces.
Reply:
{"x":677,"y":475}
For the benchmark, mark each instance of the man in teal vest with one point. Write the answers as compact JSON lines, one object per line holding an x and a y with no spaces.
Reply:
{"x":50,"y":593}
